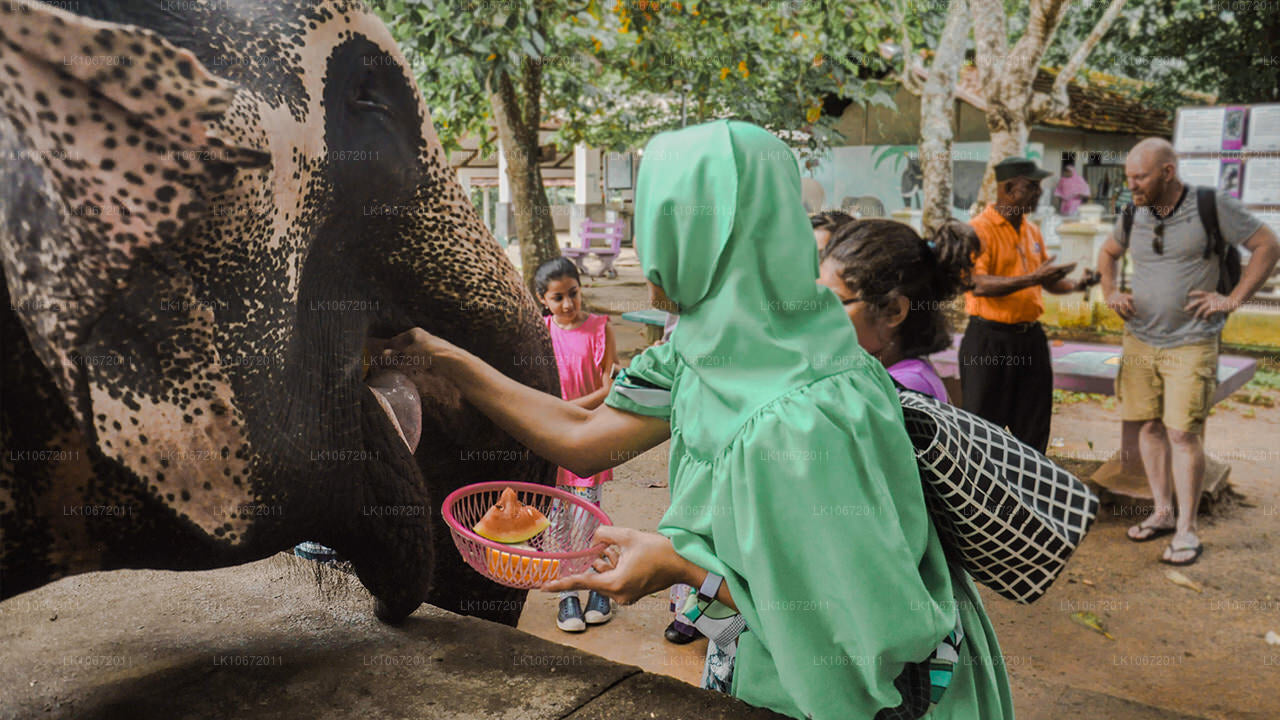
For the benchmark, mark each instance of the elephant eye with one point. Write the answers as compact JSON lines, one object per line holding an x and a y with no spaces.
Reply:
{"x":367,"y":96}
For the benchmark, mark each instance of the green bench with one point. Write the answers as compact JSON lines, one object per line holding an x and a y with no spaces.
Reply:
{"x":653,"y":320}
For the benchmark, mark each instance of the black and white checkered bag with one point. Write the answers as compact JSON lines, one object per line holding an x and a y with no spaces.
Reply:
{"x":1006,"y":513}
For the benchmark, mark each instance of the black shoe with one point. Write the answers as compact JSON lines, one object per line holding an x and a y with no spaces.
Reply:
{"x":599,"y":609}
{"x":569,"y":619}
{"x":674,"y":634}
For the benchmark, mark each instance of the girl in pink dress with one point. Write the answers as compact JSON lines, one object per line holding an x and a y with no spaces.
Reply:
{"x":586,"y":355}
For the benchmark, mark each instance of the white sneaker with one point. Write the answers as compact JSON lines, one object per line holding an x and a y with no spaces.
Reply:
{"x":599,"y":609}
{"x":569,"y":618}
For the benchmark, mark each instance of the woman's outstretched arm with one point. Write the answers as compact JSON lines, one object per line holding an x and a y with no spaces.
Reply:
{"x":583,"y":441}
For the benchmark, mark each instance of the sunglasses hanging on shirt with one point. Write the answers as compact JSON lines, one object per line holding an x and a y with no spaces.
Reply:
{"x":1157,"y":242}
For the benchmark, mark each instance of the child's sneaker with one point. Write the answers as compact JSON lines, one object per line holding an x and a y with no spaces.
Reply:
{"x":679,"y":633}
{"x":569,"y":619}
{"x":599,"y":609}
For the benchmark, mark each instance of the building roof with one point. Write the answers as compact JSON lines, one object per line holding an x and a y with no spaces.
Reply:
{"x":1105,"y":104}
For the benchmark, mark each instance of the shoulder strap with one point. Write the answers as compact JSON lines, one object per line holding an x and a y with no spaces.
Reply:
{"x":1126,"y":223}
{"x":1207,"y":205}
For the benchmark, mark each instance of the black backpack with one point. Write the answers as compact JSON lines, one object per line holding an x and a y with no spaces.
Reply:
{"x":1228,"y":255}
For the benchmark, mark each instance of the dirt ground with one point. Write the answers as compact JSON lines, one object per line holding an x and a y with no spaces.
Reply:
{"x":1202,"y":654}
{"x":1175,"y":653}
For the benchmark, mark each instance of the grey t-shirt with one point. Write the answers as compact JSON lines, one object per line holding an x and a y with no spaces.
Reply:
{"x":1161,"y":283}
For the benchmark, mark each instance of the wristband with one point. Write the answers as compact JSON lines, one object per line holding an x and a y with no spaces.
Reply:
{"x":710,"y":587}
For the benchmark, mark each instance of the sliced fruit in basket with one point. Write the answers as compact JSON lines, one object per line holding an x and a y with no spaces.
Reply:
{"x":516,"y":568}
{"x":510,"y":521}
{"x":513,"y":542}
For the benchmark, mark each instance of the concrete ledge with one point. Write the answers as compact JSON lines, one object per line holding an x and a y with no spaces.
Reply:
{"x":1252,"y":325}
{"x":269,"y":640}
{"x":644,"y":693}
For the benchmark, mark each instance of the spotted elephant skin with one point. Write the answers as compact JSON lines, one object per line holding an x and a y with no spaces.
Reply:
{"x":208,"y":210}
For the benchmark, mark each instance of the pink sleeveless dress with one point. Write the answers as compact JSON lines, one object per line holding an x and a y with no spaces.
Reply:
{"x":580,"y":358}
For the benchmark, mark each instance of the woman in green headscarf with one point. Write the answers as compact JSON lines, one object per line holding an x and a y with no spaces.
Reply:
{"x":791,"y":474}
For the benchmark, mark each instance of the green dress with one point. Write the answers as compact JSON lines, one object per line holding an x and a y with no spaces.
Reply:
{"x":791,"y":474}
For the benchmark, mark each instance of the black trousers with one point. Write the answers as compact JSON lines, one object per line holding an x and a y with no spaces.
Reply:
{"x":1006,"y":378}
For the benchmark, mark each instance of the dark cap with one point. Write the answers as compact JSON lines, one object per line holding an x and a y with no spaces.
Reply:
{"x":1013,"y":167}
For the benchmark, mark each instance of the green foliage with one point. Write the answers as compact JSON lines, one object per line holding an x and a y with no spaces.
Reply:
{"x":458,"y":48}
{"x":614,"y":72}
{"x":1228,"y":49}
{"x":1264,"y":379}
{"x":667,"y":64}
{"x":1070,"y":397}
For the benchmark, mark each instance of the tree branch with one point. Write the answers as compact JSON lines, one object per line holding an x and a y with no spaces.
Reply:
{"x":532,"y":82}
{"x":937,"y":115}
{"x":1056,"y":103}
{"x":991,"y":43}
{"x":507,"y":107}
{"x":910,"y":82}
{"x":1024,"y":58}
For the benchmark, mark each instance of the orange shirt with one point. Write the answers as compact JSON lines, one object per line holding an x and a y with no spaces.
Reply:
{"x":1010,"y":253}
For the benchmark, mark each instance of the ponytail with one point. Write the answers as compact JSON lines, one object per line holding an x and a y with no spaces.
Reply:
{"x":881,"y":259}
{"x":953,"y":245}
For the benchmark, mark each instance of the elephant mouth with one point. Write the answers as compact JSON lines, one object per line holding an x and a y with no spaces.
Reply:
{"x":400,"y":400}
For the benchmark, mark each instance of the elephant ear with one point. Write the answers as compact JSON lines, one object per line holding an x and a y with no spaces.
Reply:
{"x":111,"y":129}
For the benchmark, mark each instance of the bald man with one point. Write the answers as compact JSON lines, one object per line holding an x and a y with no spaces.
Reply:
{"x":1173,"y":322}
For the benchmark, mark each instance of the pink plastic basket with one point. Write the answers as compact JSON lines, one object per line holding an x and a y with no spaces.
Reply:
{"x":564,"y":548}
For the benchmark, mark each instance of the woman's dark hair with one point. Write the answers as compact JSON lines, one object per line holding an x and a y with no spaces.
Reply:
{"x":830,"y":220}
{"x":882,"y":259}
{"x":553,"y":269}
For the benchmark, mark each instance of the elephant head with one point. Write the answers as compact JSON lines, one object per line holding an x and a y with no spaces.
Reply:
{"x":209,"y":211}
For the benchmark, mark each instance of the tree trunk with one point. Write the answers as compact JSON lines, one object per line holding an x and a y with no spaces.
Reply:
{"x":1008,"y":139}
{"x":518,"y":131}
{"x":937,"y":117}
{"x":1007,"y":75}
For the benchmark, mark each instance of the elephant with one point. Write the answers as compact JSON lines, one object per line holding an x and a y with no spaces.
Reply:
{"x":212,"y":214}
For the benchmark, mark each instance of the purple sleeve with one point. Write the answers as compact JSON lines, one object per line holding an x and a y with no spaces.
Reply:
{"x":915,"y":374}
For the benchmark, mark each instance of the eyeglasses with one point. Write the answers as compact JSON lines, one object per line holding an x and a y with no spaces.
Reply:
{"x":1157,"y":243}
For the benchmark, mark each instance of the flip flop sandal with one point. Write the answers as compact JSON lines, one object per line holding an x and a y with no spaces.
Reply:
{"x":1174,"y":549}
{"x":1154,"y":532}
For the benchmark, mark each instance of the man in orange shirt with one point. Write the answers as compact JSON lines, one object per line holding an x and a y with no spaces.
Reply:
{"x":1006,"y":374}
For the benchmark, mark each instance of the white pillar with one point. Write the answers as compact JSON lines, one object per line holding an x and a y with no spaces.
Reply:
{"x":503,"y":227}
{"x":1079,"y":243}
{"x":487,"y":215}
{"x":587,"y":186}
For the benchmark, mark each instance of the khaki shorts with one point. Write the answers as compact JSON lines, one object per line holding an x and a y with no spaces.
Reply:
{"x":1175,"y":385}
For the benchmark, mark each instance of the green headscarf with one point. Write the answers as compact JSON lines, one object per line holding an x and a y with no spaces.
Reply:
{"x":754,"y":323}
{"x":791,"y":473}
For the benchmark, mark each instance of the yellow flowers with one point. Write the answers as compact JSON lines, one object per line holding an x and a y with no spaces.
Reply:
{"x":742,"y":68}
{"x":596,"y":45}
{"x":813,"y":113}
